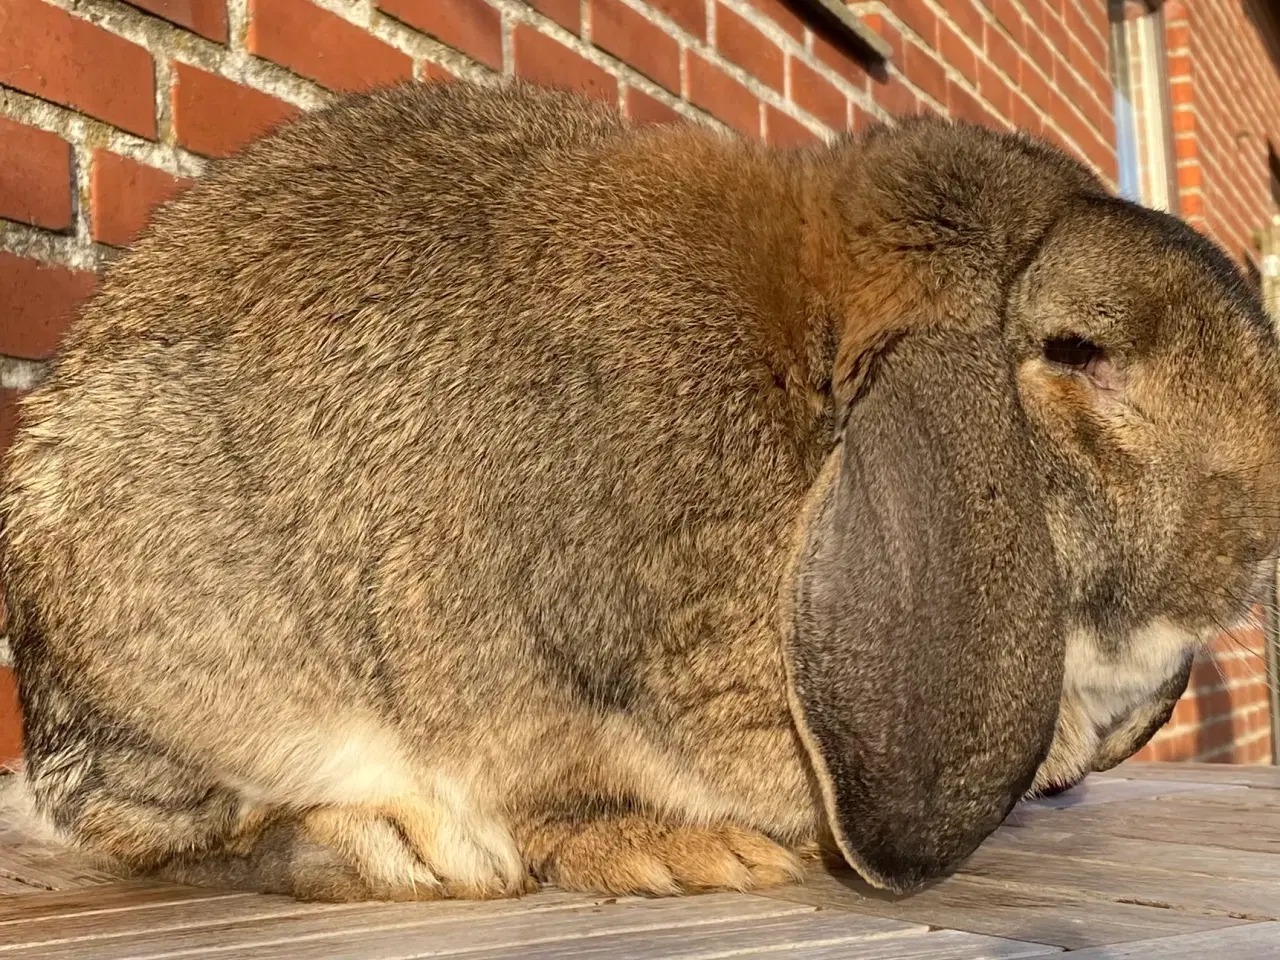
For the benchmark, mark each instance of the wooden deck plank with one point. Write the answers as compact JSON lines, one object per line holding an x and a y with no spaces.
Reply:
{"x":454,"y":926}
{"x":1076,"y":843}
{"x":1144,"y":824}
{"x":1006,"y":910}
{"x":855,"y":937}
{"x":1103,"y":790}
{"x":105,"y":898}
{"x":1256,"y":776}
{"x":1257,"y":941}
{"x":1262,"y":820}
{"x":940,"y":945}
{"x":44,"y":865}
{"x":1132,"y":883}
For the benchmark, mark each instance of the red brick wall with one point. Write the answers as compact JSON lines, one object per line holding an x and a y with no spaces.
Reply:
{"x":108,"y":108}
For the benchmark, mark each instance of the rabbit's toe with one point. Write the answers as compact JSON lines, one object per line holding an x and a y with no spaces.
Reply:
{"x":635,"y":855}
{"x":414,"y":851}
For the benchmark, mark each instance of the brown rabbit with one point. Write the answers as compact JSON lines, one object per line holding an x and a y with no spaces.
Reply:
{"x":461,"y":486}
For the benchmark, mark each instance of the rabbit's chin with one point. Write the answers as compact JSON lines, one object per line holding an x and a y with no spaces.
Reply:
{"x":1115,"y":696}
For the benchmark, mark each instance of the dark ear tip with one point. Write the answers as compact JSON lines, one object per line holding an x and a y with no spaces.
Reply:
{"x":901,"y":872}
{"x":905,"y":863}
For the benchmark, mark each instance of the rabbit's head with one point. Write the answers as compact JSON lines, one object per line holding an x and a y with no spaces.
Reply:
{"x":1040,"y":504}
{"x":1151,"y":372}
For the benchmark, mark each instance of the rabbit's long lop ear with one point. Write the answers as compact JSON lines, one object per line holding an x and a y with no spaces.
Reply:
{"x":926,"y":652}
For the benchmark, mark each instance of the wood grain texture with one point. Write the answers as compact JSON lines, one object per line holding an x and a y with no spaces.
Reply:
{"x":1257,"y":941}
{"x":1008,"y":910}
{"x":1261,"y":777}
{"x":376,"y":929}
{"x":1149,"y":861}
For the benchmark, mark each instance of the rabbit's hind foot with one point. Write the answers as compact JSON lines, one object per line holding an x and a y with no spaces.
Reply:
{"x":414,"y":849}
{"x":633,"y":854}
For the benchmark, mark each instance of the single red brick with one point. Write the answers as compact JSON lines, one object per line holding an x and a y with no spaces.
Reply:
{"x":641,"y":108}
{"x":1100,"y":83}
{"x":714,"y":91}
{"x":1179,"y":66}
{"x":1181,"y":92}
{"x":216,"y":117}
{"x":322,"y":46}
{"x":744,"y":45}
{"x":1093,"y":44}
{"x":1035,"y":11}
{"x":1025,"y":116}
{"x":816,"y":95}
{"x":546,"y":61}
{"x":567,"y":13}
{"x":123,"y":194}
{"x":36,"y":185}
{"x":50,"y":54}
{"x":1186,"y":148}
{"x":205,"y":17}
{"x":1076,"y":55}
{"x":1002,"y":53}
{"x":40,"y":300}
{"x":860,"y":119}
{"x":995,"y":90}
{"x":1055,"y":31}
{"x":1074,"y":23}
{"x":963,"y":105}
{"x":782,"y":15}
{"x":918,"y":18}
{"x":781,"y":130}
{"x":966,"y":15}
{"x":619,"y":30}
{"x":471,"y":26}
{"x":957,"y":52}
{"x":1103,"y":156}
{"x":1184,"y":121}
{"x":894,"y":97}
{"x":8,"y":429}
{"x":1040,"y":52}
{"x":920,"y":67}
{"x":10,"y":718}
{"x":1065,"y":79}
{"x":689,"y":14}
{"x":1035,"y":86}
{"x":843,"y":61}
{"x":1009,"y":15}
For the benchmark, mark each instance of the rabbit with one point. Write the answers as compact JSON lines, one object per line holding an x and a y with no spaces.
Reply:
{"x":461,"y":489}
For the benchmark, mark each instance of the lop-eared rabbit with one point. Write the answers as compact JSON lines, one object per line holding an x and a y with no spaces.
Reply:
{"x":461,"y":489}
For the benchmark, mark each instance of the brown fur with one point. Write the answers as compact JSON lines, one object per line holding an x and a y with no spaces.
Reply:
{"x":418,"y":506}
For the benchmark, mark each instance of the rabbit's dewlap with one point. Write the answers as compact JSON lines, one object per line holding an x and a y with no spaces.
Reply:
{"x":461,"y":487}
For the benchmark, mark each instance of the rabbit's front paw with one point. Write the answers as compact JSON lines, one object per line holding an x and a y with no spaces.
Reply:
{"x":636,"y":855}
{"x":412,"y":850}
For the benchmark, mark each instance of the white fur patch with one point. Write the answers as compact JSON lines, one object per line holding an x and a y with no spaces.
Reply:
{"x":1108,"y":687}
{"x":19,"y":813}
{"x":359,"y":767}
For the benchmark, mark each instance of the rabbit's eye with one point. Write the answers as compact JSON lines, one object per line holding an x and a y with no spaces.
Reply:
{"x":1072,"y":352}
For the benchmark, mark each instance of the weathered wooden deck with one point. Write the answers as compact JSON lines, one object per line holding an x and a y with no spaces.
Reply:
{"x":1151,"y":861}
